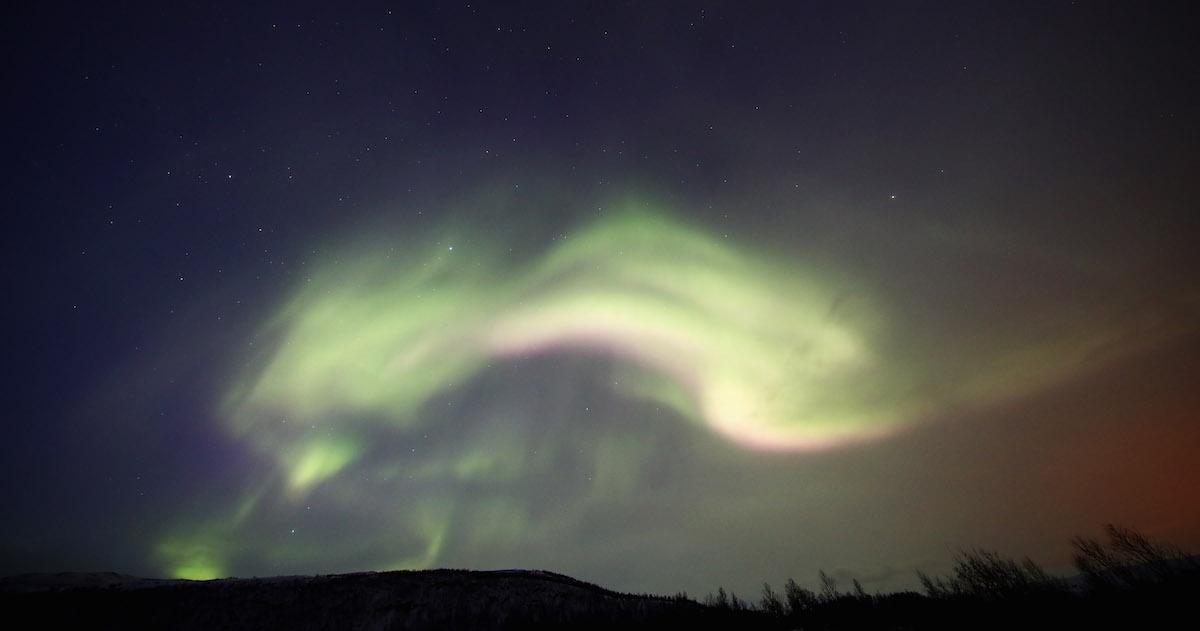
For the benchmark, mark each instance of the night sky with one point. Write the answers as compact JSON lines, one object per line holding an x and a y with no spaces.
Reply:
{"x":663,"y":296}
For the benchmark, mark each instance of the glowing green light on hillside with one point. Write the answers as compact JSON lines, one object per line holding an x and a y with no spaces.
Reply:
{"x":190,"y":561}
{"x":198,"y":570}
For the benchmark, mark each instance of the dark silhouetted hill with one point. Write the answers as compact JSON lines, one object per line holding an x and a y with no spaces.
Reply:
{"x":431,"y":599}
{"x":1126,"y":582}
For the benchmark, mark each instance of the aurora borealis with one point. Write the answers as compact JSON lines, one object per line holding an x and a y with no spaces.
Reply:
{"x":725,"y":340}
{"x":662,"y":298}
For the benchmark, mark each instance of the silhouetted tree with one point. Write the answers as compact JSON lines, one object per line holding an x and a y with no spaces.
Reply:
{"x":798,"y":598}
{"x":986,"y":574}
{"x":721,"y":599}
{"x":934,"y":587}
{"x":829,"y":589}
{"x":1129,"y":559}
{"x":770,"y":602}
{"x":859,"y":592}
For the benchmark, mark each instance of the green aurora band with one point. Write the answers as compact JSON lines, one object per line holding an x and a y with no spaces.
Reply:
{"x":757,"y":349}
{"x":753,"y":350}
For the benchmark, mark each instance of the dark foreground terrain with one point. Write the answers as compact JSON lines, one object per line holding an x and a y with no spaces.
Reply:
{"x":1128,"y":582}
{"x":517,"y":599}
{"x":431,"y":599}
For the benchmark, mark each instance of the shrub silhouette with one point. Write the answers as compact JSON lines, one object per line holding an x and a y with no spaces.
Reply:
{"x":719,"y":600}
{"x":1135,"y":583}
{"x":798,"y":598}
{"x":829,"y":588}
{"x":859,"y":592}
{"x":985,"y":574}
{"x":1129,"y":560}
{"x":771,"y":602}
{"x":727,"y":600}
